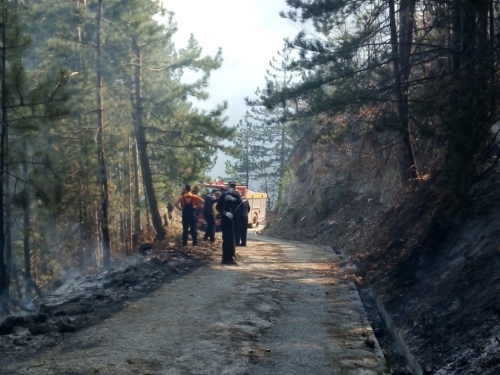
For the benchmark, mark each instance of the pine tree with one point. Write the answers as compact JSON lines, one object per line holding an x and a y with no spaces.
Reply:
{"x":248,"y":141}
{"x":281,"y":122}
{"x":22,"y":105}
{"x":429,"y":77}
{"x":348,"y":65}
{"x":61,"y":165}
{"x":100,"y":147}
{"x":149,"y":44}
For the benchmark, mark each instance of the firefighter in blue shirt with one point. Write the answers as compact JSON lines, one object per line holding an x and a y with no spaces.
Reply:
{"x":241,"y":221}
{"x":208,"y":214}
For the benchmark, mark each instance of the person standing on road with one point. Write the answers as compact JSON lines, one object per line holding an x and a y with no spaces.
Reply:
{"x":170,"y":210}
{"x":241,"y":222}
{"x":226,"y":205}
{"x":209,"y":216}
{"x":188,"y":203}
{"x":196,"y":190}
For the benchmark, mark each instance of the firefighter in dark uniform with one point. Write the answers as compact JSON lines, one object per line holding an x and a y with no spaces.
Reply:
{"x":241,"y":222}
{"x":188,"y":203}
{"x":209,"y":216}
{"x":227,"y":205}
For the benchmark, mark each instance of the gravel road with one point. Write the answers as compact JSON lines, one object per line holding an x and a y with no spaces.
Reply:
{"x":284,"y":310}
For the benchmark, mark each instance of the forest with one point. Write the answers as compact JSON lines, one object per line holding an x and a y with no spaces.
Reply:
{"x":99,"y":130}
{"x":98,"y":134}
{"x":422,"y":73}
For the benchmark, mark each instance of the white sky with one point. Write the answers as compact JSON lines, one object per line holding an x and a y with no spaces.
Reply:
{"x":250,"y":32}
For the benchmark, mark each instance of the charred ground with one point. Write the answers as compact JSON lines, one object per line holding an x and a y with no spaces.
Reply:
{"x":432,"y":260}
{"x":86,"y":300}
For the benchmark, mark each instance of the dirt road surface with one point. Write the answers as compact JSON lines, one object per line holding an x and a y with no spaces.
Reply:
{"x":284,"y":310}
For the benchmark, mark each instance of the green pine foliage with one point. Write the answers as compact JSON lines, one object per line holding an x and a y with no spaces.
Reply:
{"x":53,"y":152}
{"x":266,"y":135}
{"x":423,"y":71}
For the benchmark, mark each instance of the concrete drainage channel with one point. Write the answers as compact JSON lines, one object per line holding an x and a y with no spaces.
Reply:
{"x":381,"y":322}
{"x":396,"y":335}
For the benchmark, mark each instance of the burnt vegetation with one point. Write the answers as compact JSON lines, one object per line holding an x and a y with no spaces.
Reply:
{"x":377,"y":132}
{"x":98,"y":135}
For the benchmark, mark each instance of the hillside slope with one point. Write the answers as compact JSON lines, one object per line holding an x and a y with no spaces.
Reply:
{"x":432,"y":260}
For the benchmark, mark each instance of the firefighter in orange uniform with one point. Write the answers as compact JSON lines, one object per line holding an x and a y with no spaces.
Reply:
{"x":188,"y":203}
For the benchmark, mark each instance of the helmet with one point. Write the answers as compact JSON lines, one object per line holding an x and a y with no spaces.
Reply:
{"x":232,"y":182}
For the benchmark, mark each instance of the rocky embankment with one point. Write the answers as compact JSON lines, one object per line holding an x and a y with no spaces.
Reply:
{"x":431,"y":260}
{"x":85,"y":300}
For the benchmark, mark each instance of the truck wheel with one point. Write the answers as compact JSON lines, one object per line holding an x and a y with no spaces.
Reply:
{"x":255,"y":221}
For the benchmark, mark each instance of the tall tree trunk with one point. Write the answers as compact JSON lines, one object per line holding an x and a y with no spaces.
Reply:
{"x":80,"y":173}
{"x":282,"y":160}
{"x":8,"y":211}
{"x":137,"y":196}
{"x":408,"y":160}
{"x":457,"y":34}
{"x":140,"y":135}
{"x":282,"y":141}
{"x":26,"y":233}
{"x":4,"y":281}
{"x":148,"y":223}
{"x":467,"y":96}
{"x":492,"y":56}
{"x":88,"y":217}
{"x":122,"y":231}
{"x":80,"y":212}
{"x":106,"y":239}
{"x":247,"y":169}
{"x":98,"y":249}
{"x":483,"y":51}
{"x":129,"y":220}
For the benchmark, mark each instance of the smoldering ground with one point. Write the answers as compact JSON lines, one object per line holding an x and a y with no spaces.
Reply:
{"x":84,"y":300}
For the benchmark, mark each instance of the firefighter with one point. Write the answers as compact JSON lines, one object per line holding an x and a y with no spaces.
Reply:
{"x":241,"y":222}
{"x":214,"y":207}
{"x":209,"y":216}
{"x":188,"y":204}
{"x":226,"y":205}
{"x":196,"y":190}
{"x":170,"y":210}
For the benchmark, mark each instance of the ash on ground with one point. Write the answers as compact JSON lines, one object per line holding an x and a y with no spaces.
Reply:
{"x":85,"y":300}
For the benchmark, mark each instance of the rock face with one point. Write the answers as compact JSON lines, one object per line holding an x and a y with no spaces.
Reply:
{"x":328,"y":174}
{"x":352,"y":165}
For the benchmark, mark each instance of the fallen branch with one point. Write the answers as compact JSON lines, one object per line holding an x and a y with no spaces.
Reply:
{"x":20,"y":305}
{"x":31,"y":282}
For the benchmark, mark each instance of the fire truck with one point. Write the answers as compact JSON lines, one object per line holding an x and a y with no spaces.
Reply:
{"x":256,"y":200}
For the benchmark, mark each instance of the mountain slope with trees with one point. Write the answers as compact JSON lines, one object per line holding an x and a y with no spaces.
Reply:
{"x":99,"y":133}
